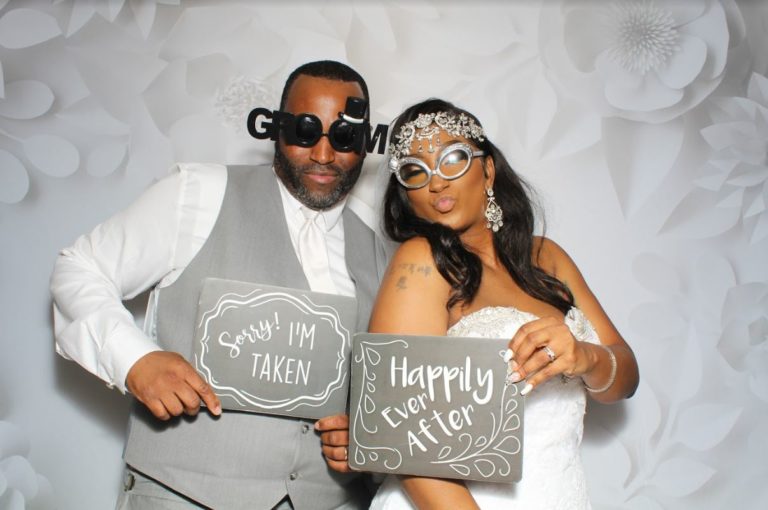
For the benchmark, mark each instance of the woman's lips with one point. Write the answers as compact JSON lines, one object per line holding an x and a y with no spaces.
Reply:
{"x":444,"y":204}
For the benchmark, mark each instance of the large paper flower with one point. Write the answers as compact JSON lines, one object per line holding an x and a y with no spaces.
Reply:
{"x":734,"y":184}
{"x":236,"y":99}
{"x":648,"y":60}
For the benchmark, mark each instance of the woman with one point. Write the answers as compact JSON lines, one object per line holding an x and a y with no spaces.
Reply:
{"x":465,"y":220}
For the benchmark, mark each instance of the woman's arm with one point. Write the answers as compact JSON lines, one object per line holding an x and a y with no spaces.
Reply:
{"x":411,"y":301}
{"x":412,"y":294}
{"x":589,"y":361}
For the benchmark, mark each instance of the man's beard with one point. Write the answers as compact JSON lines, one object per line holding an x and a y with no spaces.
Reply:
{"x":291,"y":174}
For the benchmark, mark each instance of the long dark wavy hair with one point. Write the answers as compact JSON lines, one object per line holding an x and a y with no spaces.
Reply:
{"x":513,"y":242}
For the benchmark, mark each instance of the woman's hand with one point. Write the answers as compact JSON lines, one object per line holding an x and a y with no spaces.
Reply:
{"x":334,"y":435}
{"x":544,"y":348}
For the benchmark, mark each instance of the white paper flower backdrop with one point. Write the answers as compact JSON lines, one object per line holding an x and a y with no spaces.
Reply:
{"x":744,"y":338}
{"x":20,"y":486}
{"x":689,"y":428}
{"x":647,"y":60}
{"x":733,"y":185}
{"x":635,"y":62}
{"x":656,"y":108}
{"x":50,"y":121}
{"x":144,"y":12}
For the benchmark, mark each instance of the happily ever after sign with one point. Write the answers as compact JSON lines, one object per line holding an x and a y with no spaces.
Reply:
{"x":274,"y":350}
{"x":434,"y":406}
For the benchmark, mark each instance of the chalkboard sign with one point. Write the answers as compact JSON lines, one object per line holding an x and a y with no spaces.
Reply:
{"x":434,"y":406}
{"x":274,"y":350}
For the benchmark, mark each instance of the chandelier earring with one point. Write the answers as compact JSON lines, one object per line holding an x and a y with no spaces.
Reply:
{"x":493,"y":212}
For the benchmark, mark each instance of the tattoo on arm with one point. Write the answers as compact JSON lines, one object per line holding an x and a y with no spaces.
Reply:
{"x":416,"y":268}
{"x":405,"y":269}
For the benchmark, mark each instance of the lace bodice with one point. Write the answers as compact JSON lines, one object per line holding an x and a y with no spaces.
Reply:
{"x":553,"y":476}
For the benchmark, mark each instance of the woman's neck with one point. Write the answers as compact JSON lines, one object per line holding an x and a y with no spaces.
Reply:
{"x":480,"y":242}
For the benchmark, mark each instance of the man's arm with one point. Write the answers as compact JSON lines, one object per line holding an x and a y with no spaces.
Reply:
{"x":122,"y":257}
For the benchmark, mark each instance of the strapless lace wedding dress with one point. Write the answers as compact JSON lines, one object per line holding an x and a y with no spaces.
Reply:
{"x":553,"y":476}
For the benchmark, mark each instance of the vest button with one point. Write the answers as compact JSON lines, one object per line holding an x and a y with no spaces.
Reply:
{"x":293,"y":476}
{"x":129,"y":482}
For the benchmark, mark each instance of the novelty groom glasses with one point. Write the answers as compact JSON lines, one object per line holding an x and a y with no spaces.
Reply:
{"x":349,"y":133}
{"x":305,"y":130}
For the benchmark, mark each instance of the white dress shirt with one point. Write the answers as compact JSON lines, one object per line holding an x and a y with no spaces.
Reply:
{"x":149,"y":243}
{"x":334,"y":238}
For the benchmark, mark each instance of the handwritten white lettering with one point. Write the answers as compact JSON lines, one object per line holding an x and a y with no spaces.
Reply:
{"x":280,"y":369}
{"x":413,"y":440}
{"x":456,"y":422}
{"x":303,"y":333}
{"x":427,"y":377}
{"x":234,"y":349}
{"x":410,"y":407}
{"x":252,"y":334}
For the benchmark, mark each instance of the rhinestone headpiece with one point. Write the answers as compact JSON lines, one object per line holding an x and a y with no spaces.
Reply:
{"x":422,"y":129}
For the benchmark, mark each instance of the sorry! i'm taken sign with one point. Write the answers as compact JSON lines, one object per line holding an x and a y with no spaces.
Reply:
{"x":274,"y":350}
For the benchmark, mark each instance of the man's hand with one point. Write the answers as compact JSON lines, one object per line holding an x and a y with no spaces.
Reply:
{"x":168,"y":385}
{"x":334,"y":434}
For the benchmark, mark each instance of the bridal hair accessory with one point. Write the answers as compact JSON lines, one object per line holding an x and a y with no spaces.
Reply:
{"x":422,"y":129}
{"x":493,"y":213}
{"x":611,"y":378}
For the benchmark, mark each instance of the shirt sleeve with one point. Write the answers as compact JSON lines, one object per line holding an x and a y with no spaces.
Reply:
{"x":151,"y":240}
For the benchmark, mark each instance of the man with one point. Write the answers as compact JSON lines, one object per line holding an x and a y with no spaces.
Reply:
{"x":247,"y":224}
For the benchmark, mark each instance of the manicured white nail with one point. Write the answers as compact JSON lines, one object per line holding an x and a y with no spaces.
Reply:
{"x":527,"y":389}
{"x":508,"y":355}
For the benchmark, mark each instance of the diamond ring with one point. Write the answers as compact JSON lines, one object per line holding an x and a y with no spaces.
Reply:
{"x":549,"y":352}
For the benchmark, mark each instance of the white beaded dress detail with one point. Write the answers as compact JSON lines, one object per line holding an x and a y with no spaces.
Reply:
{"x":553,"y":475}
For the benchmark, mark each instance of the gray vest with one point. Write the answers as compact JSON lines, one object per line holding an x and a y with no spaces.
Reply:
{"x":243,"y":460}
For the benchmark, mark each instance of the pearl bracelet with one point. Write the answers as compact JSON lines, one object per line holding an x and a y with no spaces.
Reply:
{"x":611,"y":378}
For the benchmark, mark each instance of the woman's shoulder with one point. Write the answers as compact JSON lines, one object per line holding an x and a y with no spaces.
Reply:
{"x":551,"y":257}
{"x":415,"y":248}
{"x":415,"y":244}
{"x":555,"y":261}
{"x":414,"y":258}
